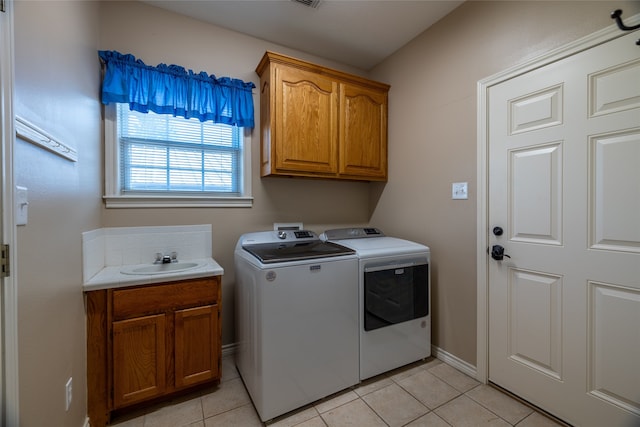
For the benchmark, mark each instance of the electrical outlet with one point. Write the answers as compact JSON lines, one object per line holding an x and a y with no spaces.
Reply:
{"x":68,"y":388}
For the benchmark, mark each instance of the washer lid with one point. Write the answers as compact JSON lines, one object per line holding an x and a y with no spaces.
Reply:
{"x":269,"y":253}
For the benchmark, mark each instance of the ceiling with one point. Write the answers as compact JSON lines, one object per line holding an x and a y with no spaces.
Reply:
{"x":360,"y":33}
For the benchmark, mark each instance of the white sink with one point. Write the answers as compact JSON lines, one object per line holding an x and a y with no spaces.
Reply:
{"x":173,"y":267}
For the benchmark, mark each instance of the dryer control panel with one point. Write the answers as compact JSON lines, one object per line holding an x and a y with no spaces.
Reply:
{"x":351,"y":233}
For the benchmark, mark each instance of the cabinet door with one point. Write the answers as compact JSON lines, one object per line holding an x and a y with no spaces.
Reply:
{"x":139,"y":364}
{"x":196,"y":345}
{"x":306,"y":120}
{"x":363,"y":133}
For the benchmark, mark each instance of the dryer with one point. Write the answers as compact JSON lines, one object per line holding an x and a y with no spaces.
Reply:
{"x":394,"y":294}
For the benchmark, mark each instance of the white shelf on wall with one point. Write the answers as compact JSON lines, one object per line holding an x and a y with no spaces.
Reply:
{"x":33,"y":134}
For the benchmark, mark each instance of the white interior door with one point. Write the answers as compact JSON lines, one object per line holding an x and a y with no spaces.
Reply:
{"x":5,"y":89}
{"x":8,"y":290}
{"x":564,"y":185}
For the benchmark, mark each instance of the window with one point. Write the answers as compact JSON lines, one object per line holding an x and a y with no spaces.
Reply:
{"x":164,"y":161}
{"x":153,"y":156}
{"x":160,"y":153}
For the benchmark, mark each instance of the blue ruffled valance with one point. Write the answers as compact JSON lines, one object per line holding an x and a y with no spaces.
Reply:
{"x":170,"y":89}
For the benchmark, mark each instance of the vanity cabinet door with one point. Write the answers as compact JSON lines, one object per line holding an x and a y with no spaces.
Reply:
{"x":196,"y":345}
{"x":139,"y":359}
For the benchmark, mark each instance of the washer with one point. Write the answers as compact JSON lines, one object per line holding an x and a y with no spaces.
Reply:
{"x":394,"y":298}
{"x":296,"y":319}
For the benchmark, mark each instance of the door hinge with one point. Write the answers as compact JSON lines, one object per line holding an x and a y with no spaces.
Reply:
{"x":4,"y":261}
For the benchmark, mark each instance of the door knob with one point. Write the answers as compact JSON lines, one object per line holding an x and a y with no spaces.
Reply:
{"x":497,"y":253}
{"x":497,"y":231}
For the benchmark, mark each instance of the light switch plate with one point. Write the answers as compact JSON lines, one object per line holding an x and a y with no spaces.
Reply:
{"x":22,"y":205}
{"x":459,"y":191}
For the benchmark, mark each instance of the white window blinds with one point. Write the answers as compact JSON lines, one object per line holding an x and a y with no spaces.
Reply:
{"x":160,"y":153}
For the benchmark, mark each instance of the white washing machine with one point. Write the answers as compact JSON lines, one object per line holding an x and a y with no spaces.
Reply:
{"x":296,"y":318}
{"x":394,"y":298}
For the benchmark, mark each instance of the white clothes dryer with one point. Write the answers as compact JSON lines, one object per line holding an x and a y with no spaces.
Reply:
{"x":394,"y":298}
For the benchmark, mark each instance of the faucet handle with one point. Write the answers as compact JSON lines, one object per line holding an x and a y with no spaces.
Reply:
{"x":158,"y":257}
{"x":174,"y":256}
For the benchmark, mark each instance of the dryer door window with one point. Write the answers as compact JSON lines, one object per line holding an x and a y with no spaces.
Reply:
{"x":395,"y":294}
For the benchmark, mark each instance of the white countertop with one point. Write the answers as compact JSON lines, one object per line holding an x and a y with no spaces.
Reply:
{"x":112,"y":277}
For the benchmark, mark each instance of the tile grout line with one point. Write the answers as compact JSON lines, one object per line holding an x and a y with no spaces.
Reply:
{"x":492,"y":411}
{"x":430,"y":410}
{"x":374,"y":411}
{"x":464,"y":393}
{"x":461,"y":393}
{"x":531,"y":406}
{"x":415,"y":368}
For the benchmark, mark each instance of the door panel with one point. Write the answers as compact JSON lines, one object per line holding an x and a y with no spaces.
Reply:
{"x":615,"y":89}
{"x":536,"y":110}
{"x":535,"y":187}
{"x":564,"y":310}
{"x":615,"y":348}
{"x":615,"y":198}
{"x":535,"y":321}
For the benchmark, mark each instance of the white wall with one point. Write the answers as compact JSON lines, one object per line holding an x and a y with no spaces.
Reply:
{"x":432,"y":143}
{"x":432,"y":134}
{"x":56,"y":87}
{"x":155,"y":35}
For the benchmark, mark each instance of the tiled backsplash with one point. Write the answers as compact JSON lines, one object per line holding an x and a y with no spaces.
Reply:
{"x":106,"y":247}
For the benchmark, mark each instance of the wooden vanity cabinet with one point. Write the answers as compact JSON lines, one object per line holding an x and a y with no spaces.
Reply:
{"x":148,"y":342}
{"x":319,"y":122}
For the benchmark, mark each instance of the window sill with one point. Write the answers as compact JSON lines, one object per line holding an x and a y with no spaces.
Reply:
{"x":177,"y":202}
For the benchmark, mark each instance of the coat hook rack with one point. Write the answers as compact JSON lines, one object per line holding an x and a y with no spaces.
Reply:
{"x":616,"y":14}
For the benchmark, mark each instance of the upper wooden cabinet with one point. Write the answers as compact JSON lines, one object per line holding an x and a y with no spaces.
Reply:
{"x":322,"y":123}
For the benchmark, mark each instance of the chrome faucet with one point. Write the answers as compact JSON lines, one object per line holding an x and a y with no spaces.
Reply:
{"x":166,"y":259}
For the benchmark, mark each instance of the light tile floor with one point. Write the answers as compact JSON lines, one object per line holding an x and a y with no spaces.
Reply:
{"x":424,"y":394}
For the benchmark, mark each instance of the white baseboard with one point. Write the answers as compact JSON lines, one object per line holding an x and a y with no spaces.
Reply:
{"x":454,"y":361}
{"x":229,"y":349}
